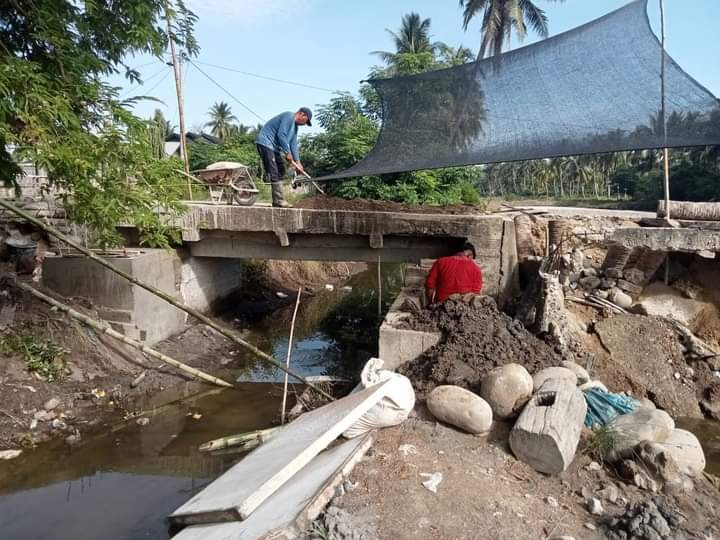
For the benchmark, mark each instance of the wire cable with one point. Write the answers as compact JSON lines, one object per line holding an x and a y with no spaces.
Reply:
{"x":275,"y":79}
{"x":142,"y":83}
{"x":227,"y":91}
{"x":167,"y":74}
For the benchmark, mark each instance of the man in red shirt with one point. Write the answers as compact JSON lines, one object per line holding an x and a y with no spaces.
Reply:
{"x":454,"y":274}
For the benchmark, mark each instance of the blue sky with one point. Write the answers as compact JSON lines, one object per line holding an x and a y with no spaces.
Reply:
{"x":326,"y":43}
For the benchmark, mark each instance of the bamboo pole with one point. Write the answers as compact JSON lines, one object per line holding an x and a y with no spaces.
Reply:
{"x":287,"y":360}
{"x":260,"y":435}
{"x":231,"y":335}
{"x":106,"y":329}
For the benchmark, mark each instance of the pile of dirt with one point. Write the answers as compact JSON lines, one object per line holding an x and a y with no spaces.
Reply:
{"x":477,"y":337}
{"x":323,"y":202}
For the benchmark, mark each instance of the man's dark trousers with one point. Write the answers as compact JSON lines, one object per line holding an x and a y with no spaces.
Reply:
{"x":274,"y":167}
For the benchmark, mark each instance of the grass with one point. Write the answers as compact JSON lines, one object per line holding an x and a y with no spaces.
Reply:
{"x":41,"y":355}
{"x":604,"y":440}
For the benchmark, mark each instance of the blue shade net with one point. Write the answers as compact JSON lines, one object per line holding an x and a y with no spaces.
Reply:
{"x":593,"y":89}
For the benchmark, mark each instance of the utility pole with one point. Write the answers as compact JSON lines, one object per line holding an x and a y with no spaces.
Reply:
{"x":663,"y":118}
{"x":181,"y":113}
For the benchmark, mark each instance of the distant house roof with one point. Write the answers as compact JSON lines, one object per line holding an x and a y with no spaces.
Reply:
{"x":194,"y":137}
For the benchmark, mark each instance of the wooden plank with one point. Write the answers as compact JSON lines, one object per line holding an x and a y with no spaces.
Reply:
{"x":295,"y":504}
{"x":238,"y":492}
{"x":548,"y":431}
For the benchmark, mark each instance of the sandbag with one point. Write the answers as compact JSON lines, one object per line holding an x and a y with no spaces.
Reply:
{"x":391,"y":410}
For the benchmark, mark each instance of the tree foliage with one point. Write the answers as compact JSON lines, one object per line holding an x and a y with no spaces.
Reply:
{"x":57,"y":111}
{"x":222,"y":120}
{"x":500,"y":18}
{"x":352,"y":126}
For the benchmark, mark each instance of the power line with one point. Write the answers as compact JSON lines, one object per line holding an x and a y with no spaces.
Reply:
{"x":275,"y":79}
{"x":142,"y":83}
{"x":227,"y":92}
{"x":167,"y":74}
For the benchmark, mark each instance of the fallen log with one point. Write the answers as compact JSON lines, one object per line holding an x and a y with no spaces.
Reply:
{"x":547,"y":433}
{"x":701,"y":211}
{"x":106,"y":329}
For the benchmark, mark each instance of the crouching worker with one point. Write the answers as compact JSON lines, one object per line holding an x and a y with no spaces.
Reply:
{"x":456,"y":274}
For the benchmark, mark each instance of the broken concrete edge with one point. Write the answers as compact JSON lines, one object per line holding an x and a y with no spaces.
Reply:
{"x":668,"y":239}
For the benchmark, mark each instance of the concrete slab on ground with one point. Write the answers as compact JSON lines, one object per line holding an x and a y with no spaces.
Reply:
{"x":668,"y":239}
{"x":244,"y":487}
{"x":296,"y":503}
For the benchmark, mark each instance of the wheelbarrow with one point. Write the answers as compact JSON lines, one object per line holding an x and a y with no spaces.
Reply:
{"x":229,"y":183}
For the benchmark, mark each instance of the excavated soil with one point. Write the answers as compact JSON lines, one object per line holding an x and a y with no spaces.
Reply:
{"x":477,"y":337}
{"x":323,"y":202}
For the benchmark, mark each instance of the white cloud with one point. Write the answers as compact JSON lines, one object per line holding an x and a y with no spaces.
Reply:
{"x":246,"y":11}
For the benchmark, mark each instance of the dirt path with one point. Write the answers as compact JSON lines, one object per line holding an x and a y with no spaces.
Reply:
{"x":486,"y":493}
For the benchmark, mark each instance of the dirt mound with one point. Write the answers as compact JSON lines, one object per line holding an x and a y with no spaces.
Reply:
{"x":477,"y":337}
{"x":323,"y":202}
{"x":646,"y":358}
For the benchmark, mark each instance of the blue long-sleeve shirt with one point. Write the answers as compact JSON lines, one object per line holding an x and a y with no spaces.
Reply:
{"x":280,"y":134}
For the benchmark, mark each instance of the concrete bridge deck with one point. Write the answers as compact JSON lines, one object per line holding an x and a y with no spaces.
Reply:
{"x":210,"y":230}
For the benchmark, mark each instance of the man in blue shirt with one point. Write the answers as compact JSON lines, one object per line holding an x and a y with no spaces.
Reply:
{"x":277,"y":141}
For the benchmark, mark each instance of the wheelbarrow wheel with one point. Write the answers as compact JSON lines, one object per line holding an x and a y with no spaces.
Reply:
{"x":244,"y":193}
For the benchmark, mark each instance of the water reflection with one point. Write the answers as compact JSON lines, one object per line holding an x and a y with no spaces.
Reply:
{"x":123,"y":484}
{"x":335,"y":332}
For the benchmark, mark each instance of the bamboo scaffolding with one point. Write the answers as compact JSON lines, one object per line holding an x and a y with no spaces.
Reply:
{"x":106,"y":329}
{"x":231,"y":335}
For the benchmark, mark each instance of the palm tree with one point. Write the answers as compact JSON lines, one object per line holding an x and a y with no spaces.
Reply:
{"x":413,"y":38}
{"x":221,"y":120}
{"x":453,"y":56}
{"x":500,"y":17}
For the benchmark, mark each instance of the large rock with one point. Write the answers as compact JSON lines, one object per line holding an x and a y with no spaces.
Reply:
{"x":652,"y":425}
{"x":686,"y":450}
{"x":620,"y":298}
{"x":507,"y":389}
{"x":663,"y":301}
{"x":460,"y":408}
{"x":562,"y":373}
{"x":580,"y":372}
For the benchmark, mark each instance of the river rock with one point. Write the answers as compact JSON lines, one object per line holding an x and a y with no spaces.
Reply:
{"x":620,"y":298}
{"x":460,"y":408}
{"x":589,"y":282}
{"x":507,"y":389}
{"x":553,"y":373}
{"x":651,"y":425}
{"x":51,"y":404}
{"x":580,"y":372}
{"x":686,"y":450}
{"x":593,"y":384}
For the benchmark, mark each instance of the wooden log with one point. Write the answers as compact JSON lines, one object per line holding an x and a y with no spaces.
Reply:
{"x":547,"y":433}
{"x":701,"y":211}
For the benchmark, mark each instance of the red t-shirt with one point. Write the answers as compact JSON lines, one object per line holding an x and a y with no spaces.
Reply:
{"x":454,"y":274}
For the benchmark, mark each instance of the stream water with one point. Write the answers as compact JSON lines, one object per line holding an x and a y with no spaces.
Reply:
{"x":121,"y":485}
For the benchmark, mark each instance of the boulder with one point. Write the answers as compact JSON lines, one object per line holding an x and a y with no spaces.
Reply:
{"x":607,"y":283}
{"x":635,"y":276}
{"x":580,"y":372}
{"x":589,"y":282}
{"x":553,"y":373}
{"x":652,"y":425}
{"x":593,"y":384}
{"x":613,"y":273}
{"x":620,"y":298}
{"x":507,"y":389}
{"x":686,"y":450}
{"x":629,"y":288}
{"x":460,"y":408}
